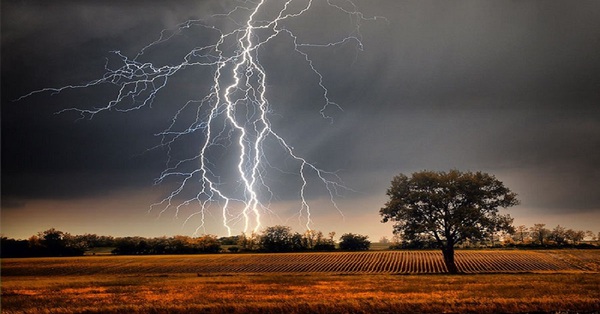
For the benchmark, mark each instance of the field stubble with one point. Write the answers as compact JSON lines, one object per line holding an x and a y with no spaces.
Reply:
{"x":175,"y":284}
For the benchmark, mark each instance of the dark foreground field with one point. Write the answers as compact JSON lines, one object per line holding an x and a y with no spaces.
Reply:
{"x":553,"y":281}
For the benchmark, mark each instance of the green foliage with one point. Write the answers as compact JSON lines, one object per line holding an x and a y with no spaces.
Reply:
{"x":539,"y":233}
{"x":282,"y":239}
{"x":164,"y":245}
{"x":249,"y":242}
{"x":450,"y":207}
{"x":231,"y":240}
{"x":277,"y":239}
{"x":315,"y":240}
{"x":354,"y":242}
{"x":51,"y":242}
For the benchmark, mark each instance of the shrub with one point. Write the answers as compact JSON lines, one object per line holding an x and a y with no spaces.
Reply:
{"x":354,"y":242}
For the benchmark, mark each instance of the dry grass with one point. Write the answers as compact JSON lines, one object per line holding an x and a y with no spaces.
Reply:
{"x":277,"y":293}
{"x":164,"y":284}
{"x":377,"y":262}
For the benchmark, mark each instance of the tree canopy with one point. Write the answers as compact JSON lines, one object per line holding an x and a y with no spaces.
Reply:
{"x":354,"y":242}
{"x":450,"y":207}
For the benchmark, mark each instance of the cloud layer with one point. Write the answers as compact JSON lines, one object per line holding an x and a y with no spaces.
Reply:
{"x":510,"y":88}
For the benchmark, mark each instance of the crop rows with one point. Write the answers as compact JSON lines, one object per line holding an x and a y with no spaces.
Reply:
{"x":377,"y":262}
{"x":412,"y":262}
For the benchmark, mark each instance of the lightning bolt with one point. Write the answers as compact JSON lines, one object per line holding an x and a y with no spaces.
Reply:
{"x":232,"y":117}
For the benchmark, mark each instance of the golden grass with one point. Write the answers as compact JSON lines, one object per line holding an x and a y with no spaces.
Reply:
{"x":381,"y":262}
{"x":169,"y":284}
{"x":299,"y":293}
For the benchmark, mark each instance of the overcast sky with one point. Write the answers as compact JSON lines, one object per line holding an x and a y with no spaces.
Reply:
{"x":511,"y":88}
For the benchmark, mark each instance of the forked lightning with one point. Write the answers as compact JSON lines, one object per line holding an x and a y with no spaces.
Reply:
{"x":233,"y":117}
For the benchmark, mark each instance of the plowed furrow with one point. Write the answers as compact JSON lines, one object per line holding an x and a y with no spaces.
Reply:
{"x":399,"y":262}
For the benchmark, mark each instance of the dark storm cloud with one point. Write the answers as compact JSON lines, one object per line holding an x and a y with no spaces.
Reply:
{"x":503,"y":87}
{"x":60,"y":43}
{"x":486,"y":85}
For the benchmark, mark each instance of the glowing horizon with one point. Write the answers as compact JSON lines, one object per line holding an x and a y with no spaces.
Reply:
{"x":232,"y":118}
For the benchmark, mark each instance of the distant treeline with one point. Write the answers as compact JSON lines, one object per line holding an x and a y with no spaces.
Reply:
{"x":522,"y":236}
{"x":53,"y":242}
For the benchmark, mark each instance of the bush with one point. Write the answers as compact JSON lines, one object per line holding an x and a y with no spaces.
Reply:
{"x":354,"y":242}
{"x":326,"y":246}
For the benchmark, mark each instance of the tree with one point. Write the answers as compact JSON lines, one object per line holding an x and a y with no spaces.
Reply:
{"x":15,"y":248}
{"x":590,"y":235}
{"x":277,"y":239}
{"x":354,"y":242}
{"x":57,"y":243}
{"x":520,"y":234}
{"x":558,"y":235}
{"x":539,"y":233}
{"x":230,"y":240}
{"x":249,"y":242}
{"x":449,"y":206}
{"x":574,"y":236}
{"x":332,"y":234}
{"x":207,"y":244}
{"x":311,"y":238}
{"x":315,"y":240}
{"x":53,"y":241}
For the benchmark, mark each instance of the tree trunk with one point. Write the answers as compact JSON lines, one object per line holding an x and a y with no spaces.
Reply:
{"x":448,"y":252}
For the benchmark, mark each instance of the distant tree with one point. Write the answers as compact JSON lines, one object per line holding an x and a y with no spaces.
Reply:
{"x":158,"y":245}
{"x":332,"y":235}
{"x":449,"y":206}
{"x":574,"y":236}
{"x":249,"y":242}
{"x":35,"y":245}
{"x":58,"y":243}
{"x":180,"y":245}
{"x":423,"y":241}
{"x":52,"y":240}
{"x":521,"y":233}
{"x":384,"y":240}
{"x":298,"y":242}
{"x":94,"y":240}
{"x":231,"y":240}
{"x":354,"y":242}
{"x":15,"y":248}
{"x":539,"y":233}
{"x":129,"y":246}
{"x":315,"y":240}
{"x":207,"y":244}
{"x":590,"y":235}
{"x":558,"y":235}
{"x":277,"y":239}
{"x":507,"y":239}
{"x":325,"y":245}
{"x":75,"y":244}
{"x":310,"y":238}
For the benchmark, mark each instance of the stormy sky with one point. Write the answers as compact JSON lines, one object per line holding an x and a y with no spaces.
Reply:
{"x":511,"y":88}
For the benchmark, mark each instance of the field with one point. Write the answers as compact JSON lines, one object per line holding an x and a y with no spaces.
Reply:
{"x":340,"y":282}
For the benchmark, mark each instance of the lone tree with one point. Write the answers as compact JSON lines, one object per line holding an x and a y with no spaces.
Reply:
{"x":450,"y":206}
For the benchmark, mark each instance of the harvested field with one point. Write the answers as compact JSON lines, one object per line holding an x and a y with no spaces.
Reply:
{"x":339,"y":282}
{"x":378,"y":262}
